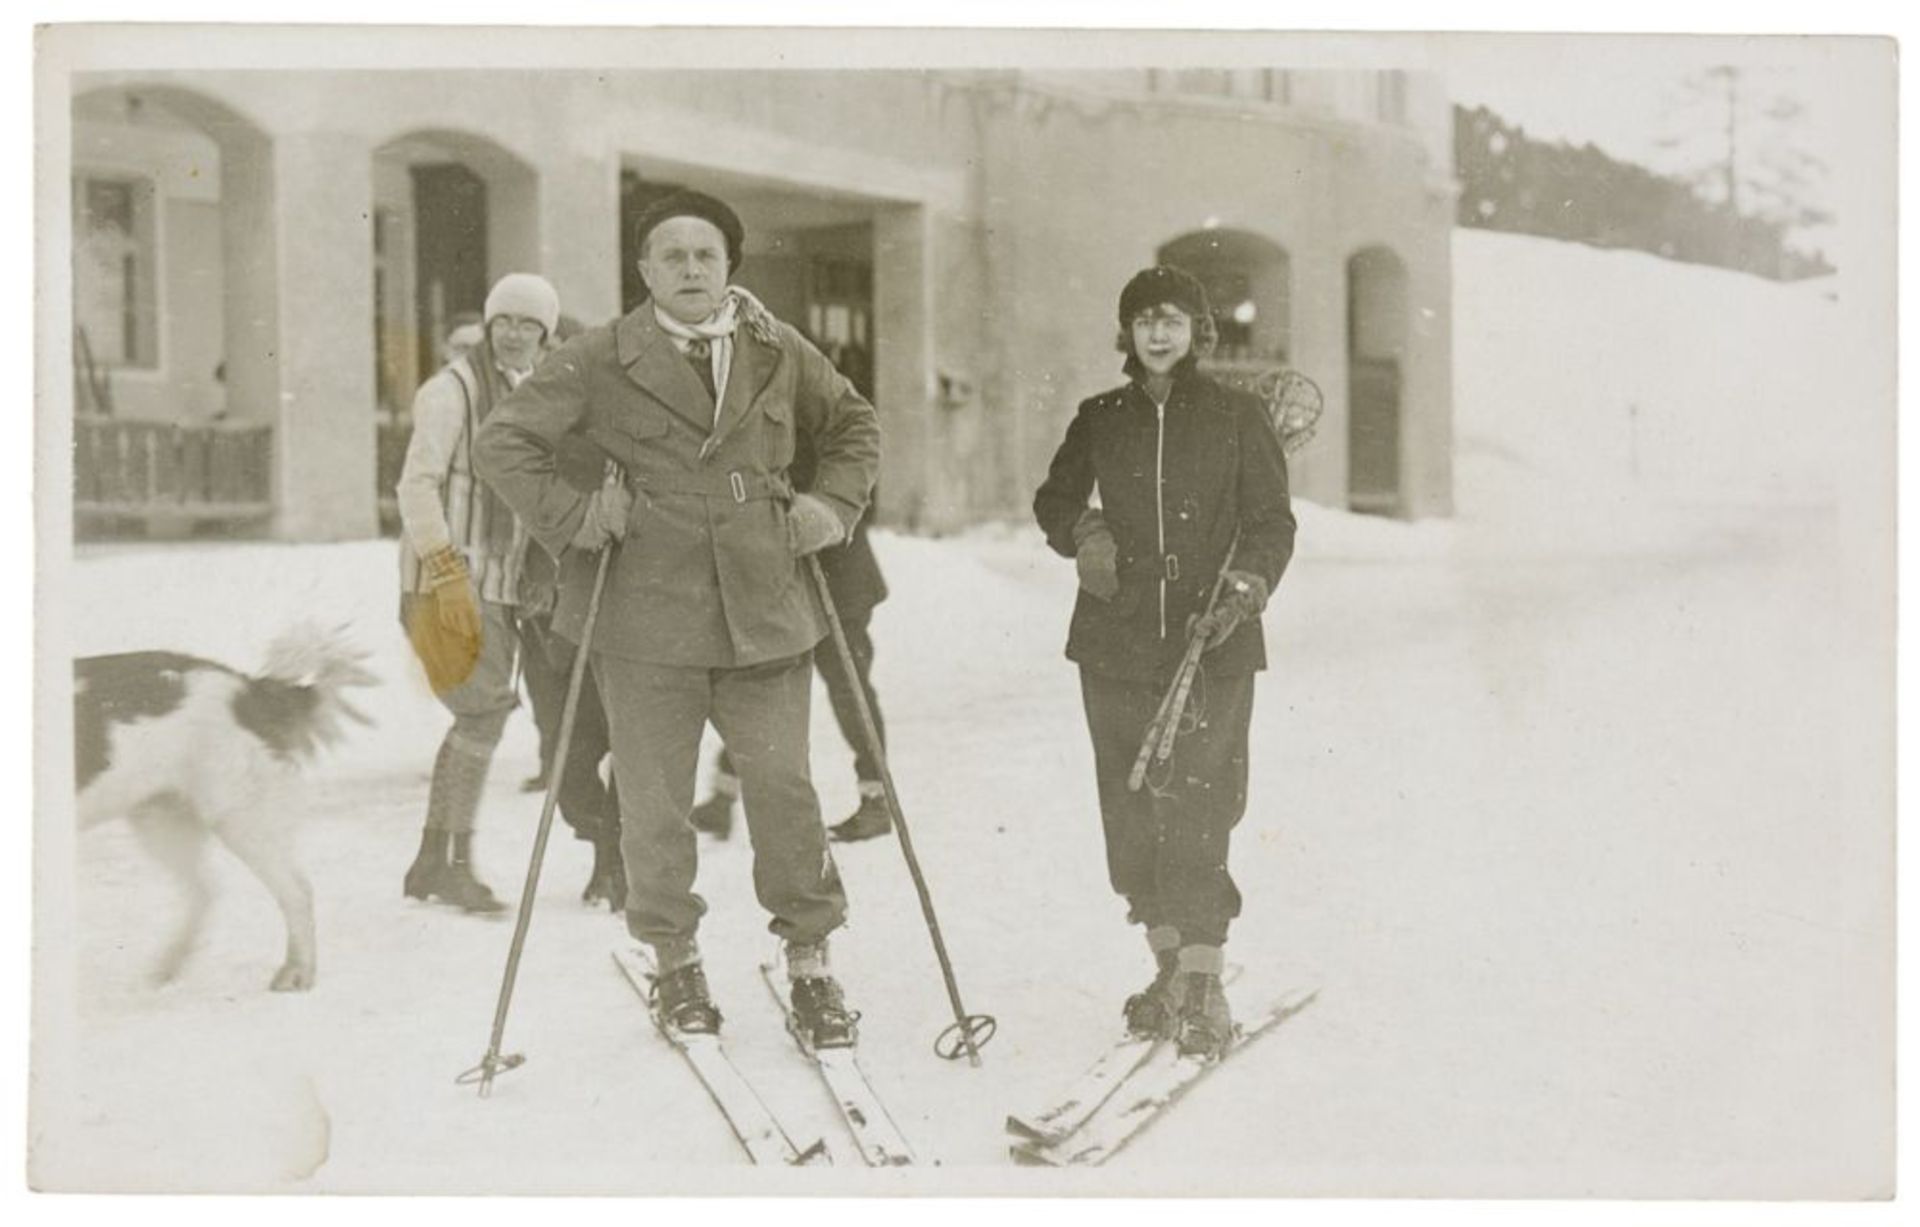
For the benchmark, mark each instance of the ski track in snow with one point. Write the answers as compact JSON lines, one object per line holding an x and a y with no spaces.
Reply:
{"x":1569,"y":807}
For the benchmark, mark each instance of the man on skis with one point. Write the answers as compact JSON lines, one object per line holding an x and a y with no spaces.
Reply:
{"x":698,"y":396}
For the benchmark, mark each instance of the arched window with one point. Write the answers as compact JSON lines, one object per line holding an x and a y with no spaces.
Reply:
{"x":1377,"y":327}
{"x":115,"y":269}
{"x":176,"y":389}
{"x":1248,"y":285}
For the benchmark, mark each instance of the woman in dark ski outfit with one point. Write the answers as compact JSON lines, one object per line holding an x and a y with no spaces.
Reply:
{"x":1183,"y":468}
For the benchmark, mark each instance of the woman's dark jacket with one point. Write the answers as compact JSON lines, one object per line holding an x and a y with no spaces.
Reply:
{"x":1219,"y":469}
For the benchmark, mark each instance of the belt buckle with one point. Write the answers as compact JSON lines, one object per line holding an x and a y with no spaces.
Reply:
{"x":739,"y":485}
{"x":1173,"y":568}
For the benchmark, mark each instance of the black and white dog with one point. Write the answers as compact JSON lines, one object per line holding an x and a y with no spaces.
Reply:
{"x":185,"y":747}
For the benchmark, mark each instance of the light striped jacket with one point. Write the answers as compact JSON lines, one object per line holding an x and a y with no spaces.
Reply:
{"x":439,"y":505}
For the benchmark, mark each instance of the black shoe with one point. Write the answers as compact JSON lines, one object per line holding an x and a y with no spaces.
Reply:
{"x":455,"y":884}
{"x":1206,"y":1025}
{"x":872,"y":820}
{"x":1153,"y":1013}
{"x":820,"y":1016}
{"x":608,"y":881}
{"x":714,"y":816}
{"x":681,"y":1001}
{"x":537,"y":782}
{"x":427,"y":865}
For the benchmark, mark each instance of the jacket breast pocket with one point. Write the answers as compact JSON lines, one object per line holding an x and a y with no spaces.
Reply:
{"x":629,"y":431}
{"x":637,"y":420}
{"x":776,"y":435}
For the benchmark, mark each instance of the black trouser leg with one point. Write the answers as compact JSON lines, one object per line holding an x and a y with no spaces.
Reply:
{"x":1167,"y":843}
{"x":840,"y":693}
{"x":586,"y":803}
{"x":545,"y":692}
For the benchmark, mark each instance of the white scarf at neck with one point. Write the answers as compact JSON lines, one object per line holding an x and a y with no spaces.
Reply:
{"x":737,"y":307}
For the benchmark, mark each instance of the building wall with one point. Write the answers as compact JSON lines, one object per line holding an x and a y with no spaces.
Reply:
{"x":195,"y":274}
{"x":1081,"y":205}
{"x":1005,"y":212}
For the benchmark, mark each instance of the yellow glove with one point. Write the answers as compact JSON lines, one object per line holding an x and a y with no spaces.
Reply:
{"x":445,"y":628}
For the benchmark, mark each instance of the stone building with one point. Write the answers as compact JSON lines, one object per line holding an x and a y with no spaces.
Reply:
{"x":265,"y":263}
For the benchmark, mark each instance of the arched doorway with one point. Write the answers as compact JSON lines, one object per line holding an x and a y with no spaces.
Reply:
{"x":174,"y":320}
{"x":1376,"y":352}
{"x":452,"y":212}
{"x":1249,"y":286}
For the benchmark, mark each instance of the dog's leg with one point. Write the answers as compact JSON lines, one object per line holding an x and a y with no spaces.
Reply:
{"x":265,"y":844}
{"x":167,"y":829}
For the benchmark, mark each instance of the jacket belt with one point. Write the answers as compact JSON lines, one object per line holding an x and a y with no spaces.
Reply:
{"x":1157,"y":567}
{"x":735,"y":484}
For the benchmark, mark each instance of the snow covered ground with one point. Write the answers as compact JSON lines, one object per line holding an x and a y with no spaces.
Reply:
{"x":1577,"y":810}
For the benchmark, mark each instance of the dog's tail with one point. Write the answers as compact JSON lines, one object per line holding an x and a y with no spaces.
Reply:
{"x":300,"y":693}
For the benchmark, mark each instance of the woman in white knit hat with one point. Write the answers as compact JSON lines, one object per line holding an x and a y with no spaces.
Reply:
{"x":460,"y":550}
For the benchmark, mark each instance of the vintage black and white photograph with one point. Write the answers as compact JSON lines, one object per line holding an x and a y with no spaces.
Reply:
{"x":641,"y":611}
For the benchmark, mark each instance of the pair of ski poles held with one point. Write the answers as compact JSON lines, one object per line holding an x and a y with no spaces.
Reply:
{"x":1293,"y":404}
{"x":1156,"y":748}
{"x":964,"y":1036}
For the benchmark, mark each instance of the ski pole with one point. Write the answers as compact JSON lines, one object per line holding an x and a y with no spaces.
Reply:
{"x":1293,"y":403}
{"x":1157,"y":745}
{"x":1183,"y":687}
{"x":973,"y":1030}
{"x":494,"y":1062}
{"x":1154,"y":726}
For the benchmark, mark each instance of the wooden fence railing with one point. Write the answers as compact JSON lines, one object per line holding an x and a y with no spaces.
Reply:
{"x":169,"y":475}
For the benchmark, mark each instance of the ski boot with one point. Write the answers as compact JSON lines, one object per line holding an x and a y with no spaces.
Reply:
{"x":1206,"y":1025}
{"x":871,"y":820}
{"x":820,"y":1017}
{"x":1153,"y":1013}
{"x":428,"y":864}
{"x":682,"y":1003}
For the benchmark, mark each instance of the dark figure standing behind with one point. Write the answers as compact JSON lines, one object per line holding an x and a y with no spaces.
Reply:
{"x":1185,"y":470}
{"x":856,"y":586}
{"x":589,"y":803}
